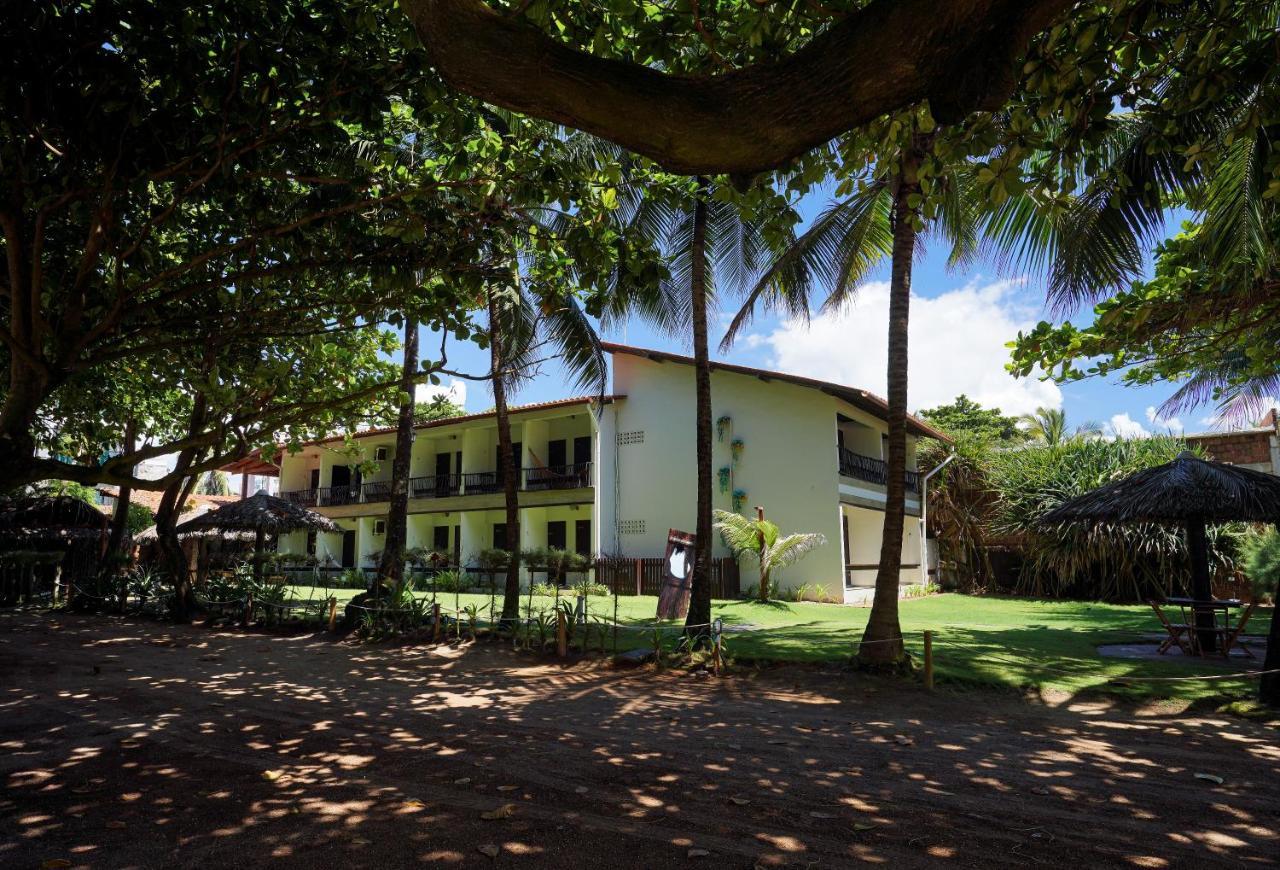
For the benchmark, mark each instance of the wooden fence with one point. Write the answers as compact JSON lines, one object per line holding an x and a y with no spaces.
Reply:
{"x":644,"y":576}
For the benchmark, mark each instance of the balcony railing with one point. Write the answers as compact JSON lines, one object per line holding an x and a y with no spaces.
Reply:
{"x":572,"y":476}
{"x":303,"y":497}
{"x":435,"y":486}
{"x":871,"y":470}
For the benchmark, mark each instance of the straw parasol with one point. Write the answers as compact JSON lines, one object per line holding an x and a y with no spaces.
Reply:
{"x":260,"y":514}
{"x":1189,"y":491}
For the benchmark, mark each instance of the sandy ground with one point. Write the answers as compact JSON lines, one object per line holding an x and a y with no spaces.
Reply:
{"x":134,"y":744}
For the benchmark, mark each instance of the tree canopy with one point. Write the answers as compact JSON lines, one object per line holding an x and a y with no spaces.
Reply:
{"x":964,"y":416}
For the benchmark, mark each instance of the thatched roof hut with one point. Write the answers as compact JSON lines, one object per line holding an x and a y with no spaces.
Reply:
{"x":53,"y":516}
{"x":1191,"y":492}
{"x":261,"y":514}
{"x":1188,"y":489}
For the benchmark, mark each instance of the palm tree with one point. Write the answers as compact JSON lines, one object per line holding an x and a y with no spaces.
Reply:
{"x":712,"y":246}
{"x":762,"y":538}
{"x":881,"y":219}
{"x":524,"y":318}
{"x":1049,"y":427}
{"x":391,"y":565}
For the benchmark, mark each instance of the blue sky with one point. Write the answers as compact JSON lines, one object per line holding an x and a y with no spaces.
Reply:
{"x":960,"y":322}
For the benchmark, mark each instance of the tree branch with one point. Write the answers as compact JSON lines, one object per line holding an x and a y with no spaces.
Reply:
{"x":961,"y":55}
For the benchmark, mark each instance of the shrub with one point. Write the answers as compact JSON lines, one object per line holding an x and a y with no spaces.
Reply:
{"x":588,"y":587}
{"x":548,"y":589}
{"x":448,"y":581}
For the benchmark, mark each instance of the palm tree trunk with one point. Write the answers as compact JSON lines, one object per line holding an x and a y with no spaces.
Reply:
{"x":506,"y":467}
{"x":882,"y":640}
{"x":391,"y":566}
{"x":700,"y":582}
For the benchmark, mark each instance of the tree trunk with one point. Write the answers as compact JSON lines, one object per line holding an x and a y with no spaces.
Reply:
{"x":882,"y":640}
{"x":1269,"y":685}
{"x":172,"y":557}
{"x":116,"y":550}
{"x":1201,"y":584}
{"x":506,"y":466}
{"x":393,"y":552}
{"x":700,"y":583}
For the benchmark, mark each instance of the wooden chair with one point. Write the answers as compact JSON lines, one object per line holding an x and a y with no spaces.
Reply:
{"x":1179,"y":633}
{"x":1228,"y":636}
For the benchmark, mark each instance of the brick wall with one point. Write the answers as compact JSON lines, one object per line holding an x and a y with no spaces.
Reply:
{"x":1241,"y":448}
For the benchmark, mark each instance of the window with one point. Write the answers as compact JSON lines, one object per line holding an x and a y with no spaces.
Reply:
{"x":500,"y":536}
{"x":556,"y":535}
{"x":631,"y":437}
{"x":379,"y":527}
{"x":631,"y":527}
{"x":381,"y":454}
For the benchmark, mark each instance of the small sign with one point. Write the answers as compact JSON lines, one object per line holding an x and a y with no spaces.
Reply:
{"x":673,"y":598}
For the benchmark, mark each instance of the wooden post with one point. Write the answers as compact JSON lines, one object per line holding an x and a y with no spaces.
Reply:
{"x":639,"y":576}
{"x":333,"y":612}
{"x":435,"y":622}
{"x":928,"y":660}
{"x":562,"y":638}
{"x":715,"y":648}
{"x":248,"y":609}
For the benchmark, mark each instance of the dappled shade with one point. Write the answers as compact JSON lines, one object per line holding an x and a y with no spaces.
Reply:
{"x":261,"y":512}
{"x":1186,"y":489}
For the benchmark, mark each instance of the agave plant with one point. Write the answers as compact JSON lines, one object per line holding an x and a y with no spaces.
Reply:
{"x":762,"y":539}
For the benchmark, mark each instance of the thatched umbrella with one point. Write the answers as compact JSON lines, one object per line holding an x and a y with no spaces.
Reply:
{"x":1189,"y":491}
{"x":260,"y":514}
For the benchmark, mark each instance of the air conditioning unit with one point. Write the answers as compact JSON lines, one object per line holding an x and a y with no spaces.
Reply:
{"x":379,"y":527}
{"x":381,"y":454}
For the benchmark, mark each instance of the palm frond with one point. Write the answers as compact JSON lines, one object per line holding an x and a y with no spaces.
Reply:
{"x":789,"y":550}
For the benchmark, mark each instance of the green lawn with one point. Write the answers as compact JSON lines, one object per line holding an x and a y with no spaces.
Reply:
{"x":1012,"y":642}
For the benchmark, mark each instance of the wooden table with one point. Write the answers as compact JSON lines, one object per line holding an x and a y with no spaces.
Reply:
{"x":1204,"y":615}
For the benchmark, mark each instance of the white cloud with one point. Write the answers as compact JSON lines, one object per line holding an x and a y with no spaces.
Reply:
{"x":456,"y":390}
{"x":957,"y":346}
{"x":1172,"y":425}
{"x":1124,"y":426}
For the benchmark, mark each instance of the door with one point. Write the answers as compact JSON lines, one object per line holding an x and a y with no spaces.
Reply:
{"x":556,"y":535}
{"x":499,"y":536}
{"x":315,"y":479}
{"x":349,"y":549}
{"x":457,"y":543}
{"x":582,"y":459}
{"x":440,"y":539}
{"x":339,"y":485}
{"x":557,"y":453}
{"x":443,"y":483}
{"x":582,"y":537}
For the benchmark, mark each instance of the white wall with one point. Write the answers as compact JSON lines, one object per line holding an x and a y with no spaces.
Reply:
{"x":788,"y":464}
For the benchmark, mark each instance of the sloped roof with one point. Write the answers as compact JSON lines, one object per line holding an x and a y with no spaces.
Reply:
{"x":860,"y":399}
{"x":1188,"y":488}
{"x":150,"y":498}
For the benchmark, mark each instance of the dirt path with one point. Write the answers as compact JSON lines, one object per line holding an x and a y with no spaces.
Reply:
{"x":129,"y":744}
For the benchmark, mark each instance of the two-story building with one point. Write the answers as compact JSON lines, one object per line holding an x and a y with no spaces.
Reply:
{"x":610,"y":475}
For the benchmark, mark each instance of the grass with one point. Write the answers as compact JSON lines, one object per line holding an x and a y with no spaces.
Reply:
{"x":1045,"y":645}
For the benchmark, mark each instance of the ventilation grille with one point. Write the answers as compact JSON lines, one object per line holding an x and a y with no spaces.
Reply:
{"x":636,"y":437}
{"x":631,"y":527}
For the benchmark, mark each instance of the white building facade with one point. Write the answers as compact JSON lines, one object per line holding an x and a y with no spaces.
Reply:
{"x":611,"y":475}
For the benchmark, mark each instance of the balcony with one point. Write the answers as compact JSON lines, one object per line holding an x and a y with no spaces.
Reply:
{"x":574,"y":476}
{"x":871,"y":470}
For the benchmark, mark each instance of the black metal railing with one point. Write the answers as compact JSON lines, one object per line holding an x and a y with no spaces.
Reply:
{"x":303,"y":497}
{"x":330,"y":496}
{"x":871,"y":470}
{"x":377,"y":491}
{"x":573,"y":476}
{"x":435,"y":486}
{"x":481,"y":482}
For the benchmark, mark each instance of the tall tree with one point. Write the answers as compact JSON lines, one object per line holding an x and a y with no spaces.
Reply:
{"x":921,"y":181}
{"x":391,"y":566}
